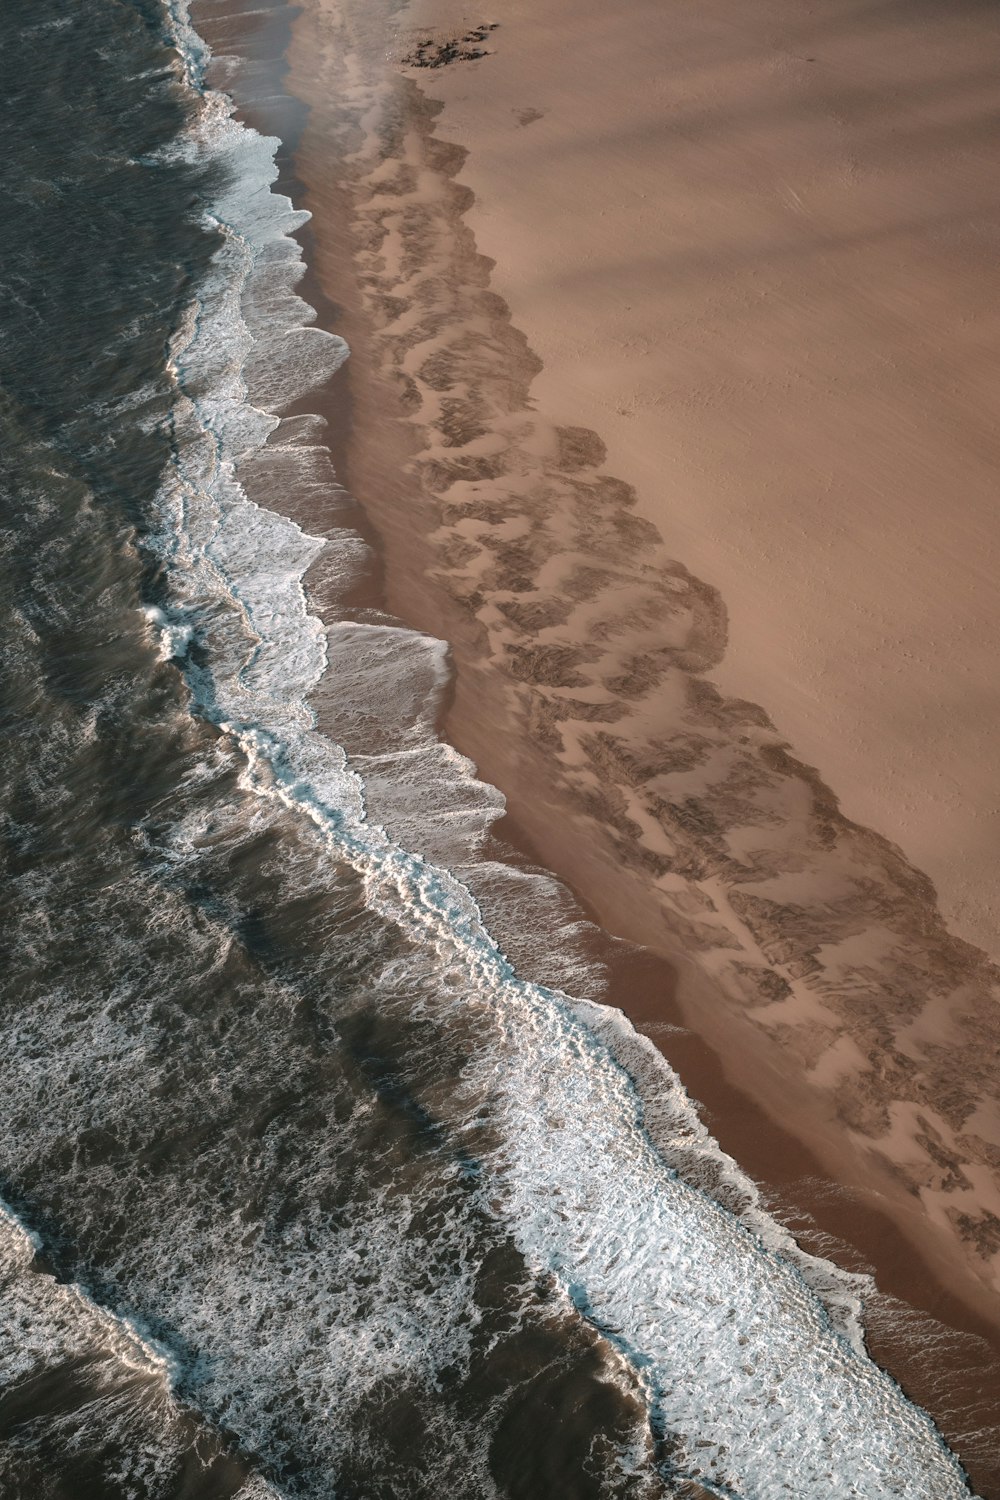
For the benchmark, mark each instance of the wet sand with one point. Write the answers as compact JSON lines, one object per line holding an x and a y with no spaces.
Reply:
{"x":794,"y":951}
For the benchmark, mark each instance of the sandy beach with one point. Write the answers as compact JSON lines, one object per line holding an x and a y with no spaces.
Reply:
{"x":669,"y":408}
{"x":777,"y":315}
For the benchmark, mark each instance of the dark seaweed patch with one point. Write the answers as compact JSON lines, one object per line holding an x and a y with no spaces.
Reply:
{"x":429,"y":53}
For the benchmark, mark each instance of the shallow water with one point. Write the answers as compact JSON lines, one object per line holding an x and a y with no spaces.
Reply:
{"x":308,"y":1193}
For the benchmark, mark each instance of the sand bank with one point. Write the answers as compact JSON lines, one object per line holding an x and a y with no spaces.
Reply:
{"x":843,"y":1038}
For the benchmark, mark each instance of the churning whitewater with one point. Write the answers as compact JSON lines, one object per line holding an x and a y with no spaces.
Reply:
{"x":307,"y":1192}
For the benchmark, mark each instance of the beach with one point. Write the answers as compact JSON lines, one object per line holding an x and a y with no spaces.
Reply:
{"x":455,"y":1043}
{"x":775,"y":311}
{"x":644,"y":423}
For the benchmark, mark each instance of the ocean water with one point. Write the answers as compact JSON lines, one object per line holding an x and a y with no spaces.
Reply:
{"x":305,"y":1191}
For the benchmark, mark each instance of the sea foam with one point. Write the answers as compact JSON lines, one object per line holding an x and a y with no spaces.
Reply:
{"x":123,"y":1376}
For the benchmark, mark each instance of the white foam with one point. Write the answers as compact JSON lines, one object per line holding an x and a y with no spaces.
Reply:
{"x":290,"y":1322}
{"x":737,"y":1354}
{"x":58,"y":1319}
{"x":50,"y":1325}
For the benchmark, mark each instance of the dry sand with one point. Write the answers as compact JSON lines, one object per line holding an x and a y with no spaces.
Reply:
{"x":733,"y":523}
{"x":755,"y":249}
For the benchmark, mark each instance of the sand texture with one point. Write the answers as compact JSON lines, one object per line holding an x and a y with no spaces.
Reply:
{"x":669,"y":407}
{"x":754,"y":248}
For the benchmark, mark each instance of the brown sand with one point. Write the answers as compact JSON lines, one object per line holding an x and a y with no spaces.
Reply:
{"x":841,"y":1038}
{"x":755,"y":249}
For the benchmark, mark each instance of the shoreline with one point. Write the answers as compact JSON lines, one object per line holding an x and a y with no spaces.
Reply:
{"x":373,"y":451}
